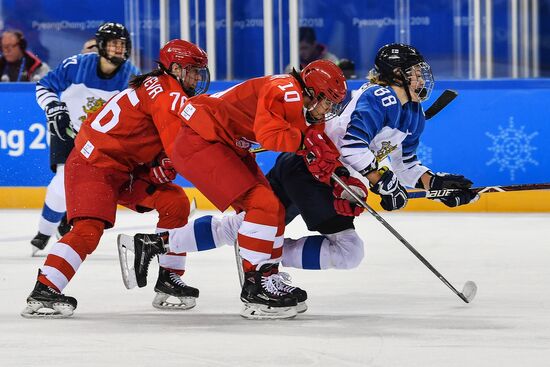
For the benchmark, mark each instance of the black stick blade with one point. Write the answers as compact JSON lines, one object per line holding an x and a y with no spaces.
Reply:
{"x":440,"y":103}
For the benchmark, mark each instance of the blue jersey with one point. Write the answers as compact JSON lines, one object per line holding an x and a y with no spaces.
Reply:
{"x":375,"y":125}
{"x":76,"y":81}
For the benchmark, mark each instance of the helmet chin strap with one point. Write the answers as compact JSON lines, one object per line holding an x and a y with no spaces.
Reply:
{"x":421,"y":93}
{"x":406,"y":84}
{"x":116,"y":60}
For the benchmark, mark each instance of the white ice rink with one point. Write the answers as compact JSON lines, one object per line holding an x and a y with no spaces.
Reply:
{"x":391,"y":311}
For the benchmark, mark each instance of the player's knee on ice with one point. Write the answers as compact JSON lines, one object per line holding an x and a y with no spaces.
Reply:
{"x":346,"y":250}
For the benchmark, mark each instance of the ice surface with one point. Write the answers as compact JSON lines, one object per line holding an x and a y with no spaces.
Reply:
{"x":391,"y":311}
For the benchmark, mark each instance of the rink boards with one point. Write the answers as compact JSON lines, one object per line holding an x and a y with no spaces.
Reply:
{"x":493,"y":133}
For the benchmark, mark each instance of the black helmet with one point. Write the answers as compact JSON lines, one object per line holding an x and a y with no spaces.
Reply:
{"x":111,"y":31}
{"x":402,"y":57}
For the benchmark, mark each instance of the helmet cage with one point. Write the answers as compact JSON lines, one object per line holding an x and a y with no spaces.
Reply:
{"x":202,"y":84}
{"x":113,"y":31}
{"x":334,"y":110}
{"x":421,"y":71}
{"x":400,"y":64}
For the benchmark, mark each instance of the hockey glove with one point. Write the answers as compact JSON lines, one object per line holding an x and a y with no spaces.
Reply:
{"x":441,"y":181}
{"x":344,"y":203}
{"x":59,"y":121}
{"x":321,"y":158}
{"x":462,"y":196}
{"x":163,"y":172}
{"x":459,"y":197}
{"x":393,"y":194}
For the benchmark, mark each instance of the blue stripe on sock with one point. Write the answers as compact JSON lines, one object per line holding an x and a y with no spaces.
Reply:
{"x":311,"y":253}
{"x":203,"y":233}
{"x":51,"y":215}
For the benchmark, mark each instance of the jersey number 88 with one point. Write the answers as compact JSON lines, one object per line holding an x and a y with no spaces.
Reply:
{"x":387,"y":100}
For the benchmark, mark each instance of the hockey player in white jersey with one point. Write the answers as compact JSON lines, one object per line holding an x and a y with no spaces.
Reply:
{"x":81,"y":84}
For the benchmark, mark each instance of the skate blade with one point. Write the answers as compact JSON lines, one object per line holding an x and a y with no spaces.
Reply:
{"x":125,"y":243}
{"x":254,"y":311}
{"x":162,"y":302}
{"x":36,"y":252}
{"x":36,"y":310}
{"x":40,"y":252}
{"x":301,"y":307}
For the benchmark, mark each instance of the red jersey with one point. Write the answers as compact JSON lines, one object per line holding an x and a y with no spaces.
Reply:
{"x":134,"y":126}
{"x":267,"y":110}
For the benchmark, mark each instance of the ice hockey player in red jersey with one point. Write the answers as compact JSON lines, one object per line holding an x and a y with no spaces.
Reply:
{"x":120,"y":157}
{"x":212,"y":151}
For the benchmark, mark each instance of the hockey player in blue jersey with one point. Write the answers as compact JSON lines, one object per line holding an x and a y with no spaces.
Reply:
{"x":81,"y":84}
{"x":386,"y":119}
{"x":383,"y":119}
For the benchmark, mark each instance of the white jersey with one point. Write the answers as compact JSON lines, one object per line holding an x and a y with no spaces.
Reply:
{"x":374,"y":126}
{"x":77,"y":82}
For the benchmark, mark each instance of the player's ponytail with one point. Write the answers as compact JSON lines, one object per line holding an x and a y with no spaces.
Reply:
{"x":138,"y":80}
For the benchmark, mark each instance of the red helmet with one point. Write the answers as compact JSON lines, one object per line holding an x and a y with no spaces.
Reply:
{"x":323,"y":79}
{"x":187,"y":55}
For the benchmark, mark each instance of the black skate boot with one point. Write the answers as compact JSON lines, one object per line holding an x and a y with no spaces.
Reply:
{"x":262,"y":298}
{"x":39,"y":242}
{"x":46,"y":302}
{"x":283,"y":283}
{"x":169,"y":284}
{"x":144,"y":247}
{"x":64,"y":227}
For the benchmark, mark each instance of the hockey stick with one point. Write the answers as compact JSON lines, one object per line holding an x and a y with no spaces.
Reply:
{"x":436,"y":194}
{"x":440,"y":103}
{"x":470,"y":288}
{"x":239,"y":260}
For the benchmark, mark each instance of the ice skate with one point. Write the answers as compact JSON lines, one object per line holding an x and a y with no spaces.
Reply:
{"x":262,"y":299}
{"x":144,"y":247}
{"x":46,"y":302}
{"x":283,"y":283}
{"x":173,"y":293}
{"x":39,"y":243}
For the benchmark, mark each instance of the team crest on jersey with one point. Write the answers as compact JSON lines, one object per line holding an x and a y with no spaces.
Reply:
{"x":386,"y":149}
{"x":92,"y":106}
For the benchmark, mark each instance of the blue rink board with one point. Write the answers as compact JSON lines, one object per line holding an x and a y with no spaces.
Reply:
{"x":495,"y":132}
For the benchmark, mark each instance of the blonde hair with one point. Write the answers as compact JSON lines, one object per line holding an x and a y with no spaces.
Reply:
{"x":374,"y":78}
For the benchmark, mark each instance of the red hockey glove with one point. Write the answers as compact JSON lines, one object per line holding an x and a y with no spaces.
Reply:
{"x":321,"y":158}
{"x":164,"y":172}
{"x":344,"y":203}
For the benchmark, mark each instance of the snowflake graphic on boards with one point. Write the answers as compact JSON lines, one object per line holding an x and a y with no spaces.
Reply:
{"x":512,"y":148}
{"x":424,"y":154}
